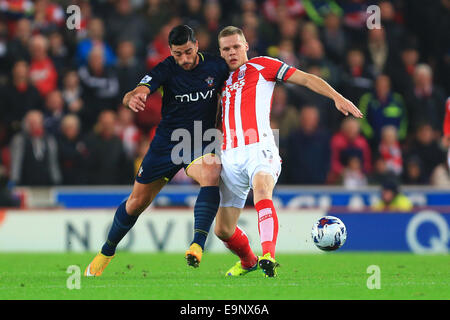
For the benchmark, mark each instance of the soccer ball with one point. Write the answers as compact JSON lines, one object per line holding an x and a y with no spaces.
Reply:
{"x":329,"y":233}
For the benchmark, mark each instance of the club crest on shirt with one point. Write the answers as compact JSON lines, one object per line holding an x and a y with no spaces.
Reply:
{"x":210,"y":81}
{"x":241,"y":74}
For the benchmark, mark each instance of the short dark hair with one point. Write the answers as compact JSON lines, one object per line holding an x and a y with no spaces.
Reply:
{"x":181,"y":34}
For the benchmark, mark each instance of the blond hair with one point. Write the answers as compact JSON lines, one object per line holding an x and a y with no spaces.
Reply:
{"x":231,"y":30}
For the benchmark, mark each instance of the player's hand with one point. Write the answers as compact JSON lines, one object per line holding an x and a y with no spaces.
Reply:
{"x":346,"y":106}
{"x":137,"y":101}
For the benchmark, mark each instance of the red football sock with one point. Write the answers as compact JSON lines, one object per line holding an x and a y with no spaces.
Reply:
{"x":267,"y":225}
{"x":239,"y":245}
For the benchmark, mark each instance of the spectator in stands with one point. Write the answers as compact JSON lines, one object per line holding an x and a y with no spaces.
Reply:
{"x":403,"y":73}
{"x":440,"y":177}
{"x":256,"y":42}
{"x":159,"y":48}
{"x":392,"y":199}
{"x":205,"y":41}
{"x":289,"y":29}
{"x":334,"y":37}
{"x":353,"y":176}
{"x":42,"y":70}
{"x":308,"y":32}
{"x":395,"y":31}
{"x":54,"y":111}
{"x":18,"y":45}
{"x":303,"y":96}
{"x":313,"y":53}
{"x":212,"y":14}
{"x":191,"y":12}
{"x":285,"y":51}
{"x":124,"y":23}
{"x":308,"y":150}
{"x":100,"y":87}
{"x":319,"y":11}
{"x":129,"y":69}
{"x":390,"y":150}
{"x":380,"y":172}
{"x":58,"y":52}
{"x":107,"y":162}
{"x":426,"y":147}
{"x":48,"y":16}
{"x":381,"y":54}
{"x":345,"y":144}
{"x":413,"y":173}
{"x":427,"y":100}
{"x":72,"y":92}
{"x":156,"y":13}
{"x":34,"y":154}
{"x":95,"y":39}
{"x":72,"y":152}
{"x":380,"y":108}
{"x":19,"y":97}
{"x":127,"y":131}
{"x":276,"y":10}
{"x":357,"y":77}
{"x":283,"y":116}
{"x":86,"y":15}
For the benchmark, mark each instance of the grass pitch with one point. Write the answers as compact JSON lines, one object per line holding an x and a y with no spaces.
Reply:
{"x":167,"y":277}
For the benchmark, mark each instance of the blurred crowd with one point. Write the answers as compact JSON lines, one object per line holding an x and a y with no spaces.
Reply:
{"x":62,"y":122}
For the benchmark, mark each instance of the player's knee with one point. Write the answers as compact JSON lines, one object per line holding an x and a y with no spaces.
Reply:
{"x":223,"y":232}
{"x":262,"y":191}
{"x":136,"y":205}
{"x":210,"y":174}
{"x":262,"y":187}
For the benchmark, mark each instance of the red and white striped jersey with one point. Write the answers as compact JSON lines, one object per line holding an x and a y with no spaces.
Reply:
{"x":447,"y":118}
{"x":247,"y":101}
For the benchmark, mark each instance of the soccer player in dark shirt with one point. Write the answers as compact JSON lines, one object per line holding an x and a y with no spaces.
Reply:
{"x":190,"y":81}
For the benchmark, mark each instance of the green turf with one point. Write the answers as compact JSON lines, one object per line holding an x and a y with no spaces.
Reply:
{"x":166,"y":276}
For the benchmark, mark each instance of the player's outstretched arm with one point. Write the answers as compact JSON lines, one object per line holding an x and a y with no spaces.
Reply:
{"x":135,"y":99}
{"x":320,"y":86}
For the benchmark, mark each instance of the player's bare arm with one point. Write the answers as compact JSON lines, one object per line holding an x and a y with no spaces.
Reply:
{"x":320,"y":86}
{"x":135,"y":99}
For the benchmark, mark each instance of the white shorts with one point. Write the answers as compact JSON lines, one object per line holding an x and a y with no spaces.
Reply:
{"x":239,"y":165}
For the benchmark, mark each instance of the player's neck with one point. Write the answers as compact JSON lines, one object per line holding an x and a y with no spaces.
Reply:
{"x":197,"y":61}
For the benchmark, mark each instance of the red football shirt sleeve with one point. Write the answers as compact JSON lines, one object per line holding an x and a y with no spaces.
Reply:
{"x":274,"y":69}
{"x":447,"y":118}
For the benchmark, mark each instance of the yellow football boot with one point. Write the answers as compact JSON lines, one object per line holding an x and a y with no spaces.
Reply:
{"x":96,"y":267}
{"x":194,"y":255}
{"x":268,"y":265}
{"x":238,"y":270}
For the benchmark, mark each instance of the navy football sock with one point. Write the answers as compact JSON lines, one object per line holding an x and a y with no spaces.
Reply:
{"x":205,"y":211}
{"x":122,"y":223}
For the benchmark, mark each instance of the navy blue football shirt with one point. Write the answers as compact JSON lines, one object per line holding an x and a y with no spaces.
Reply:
{"x":188,"y":96}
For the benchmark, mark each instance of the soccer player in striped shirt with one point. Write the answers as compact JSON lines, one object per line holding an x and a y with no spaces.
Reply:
{"x":250,"y":156}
